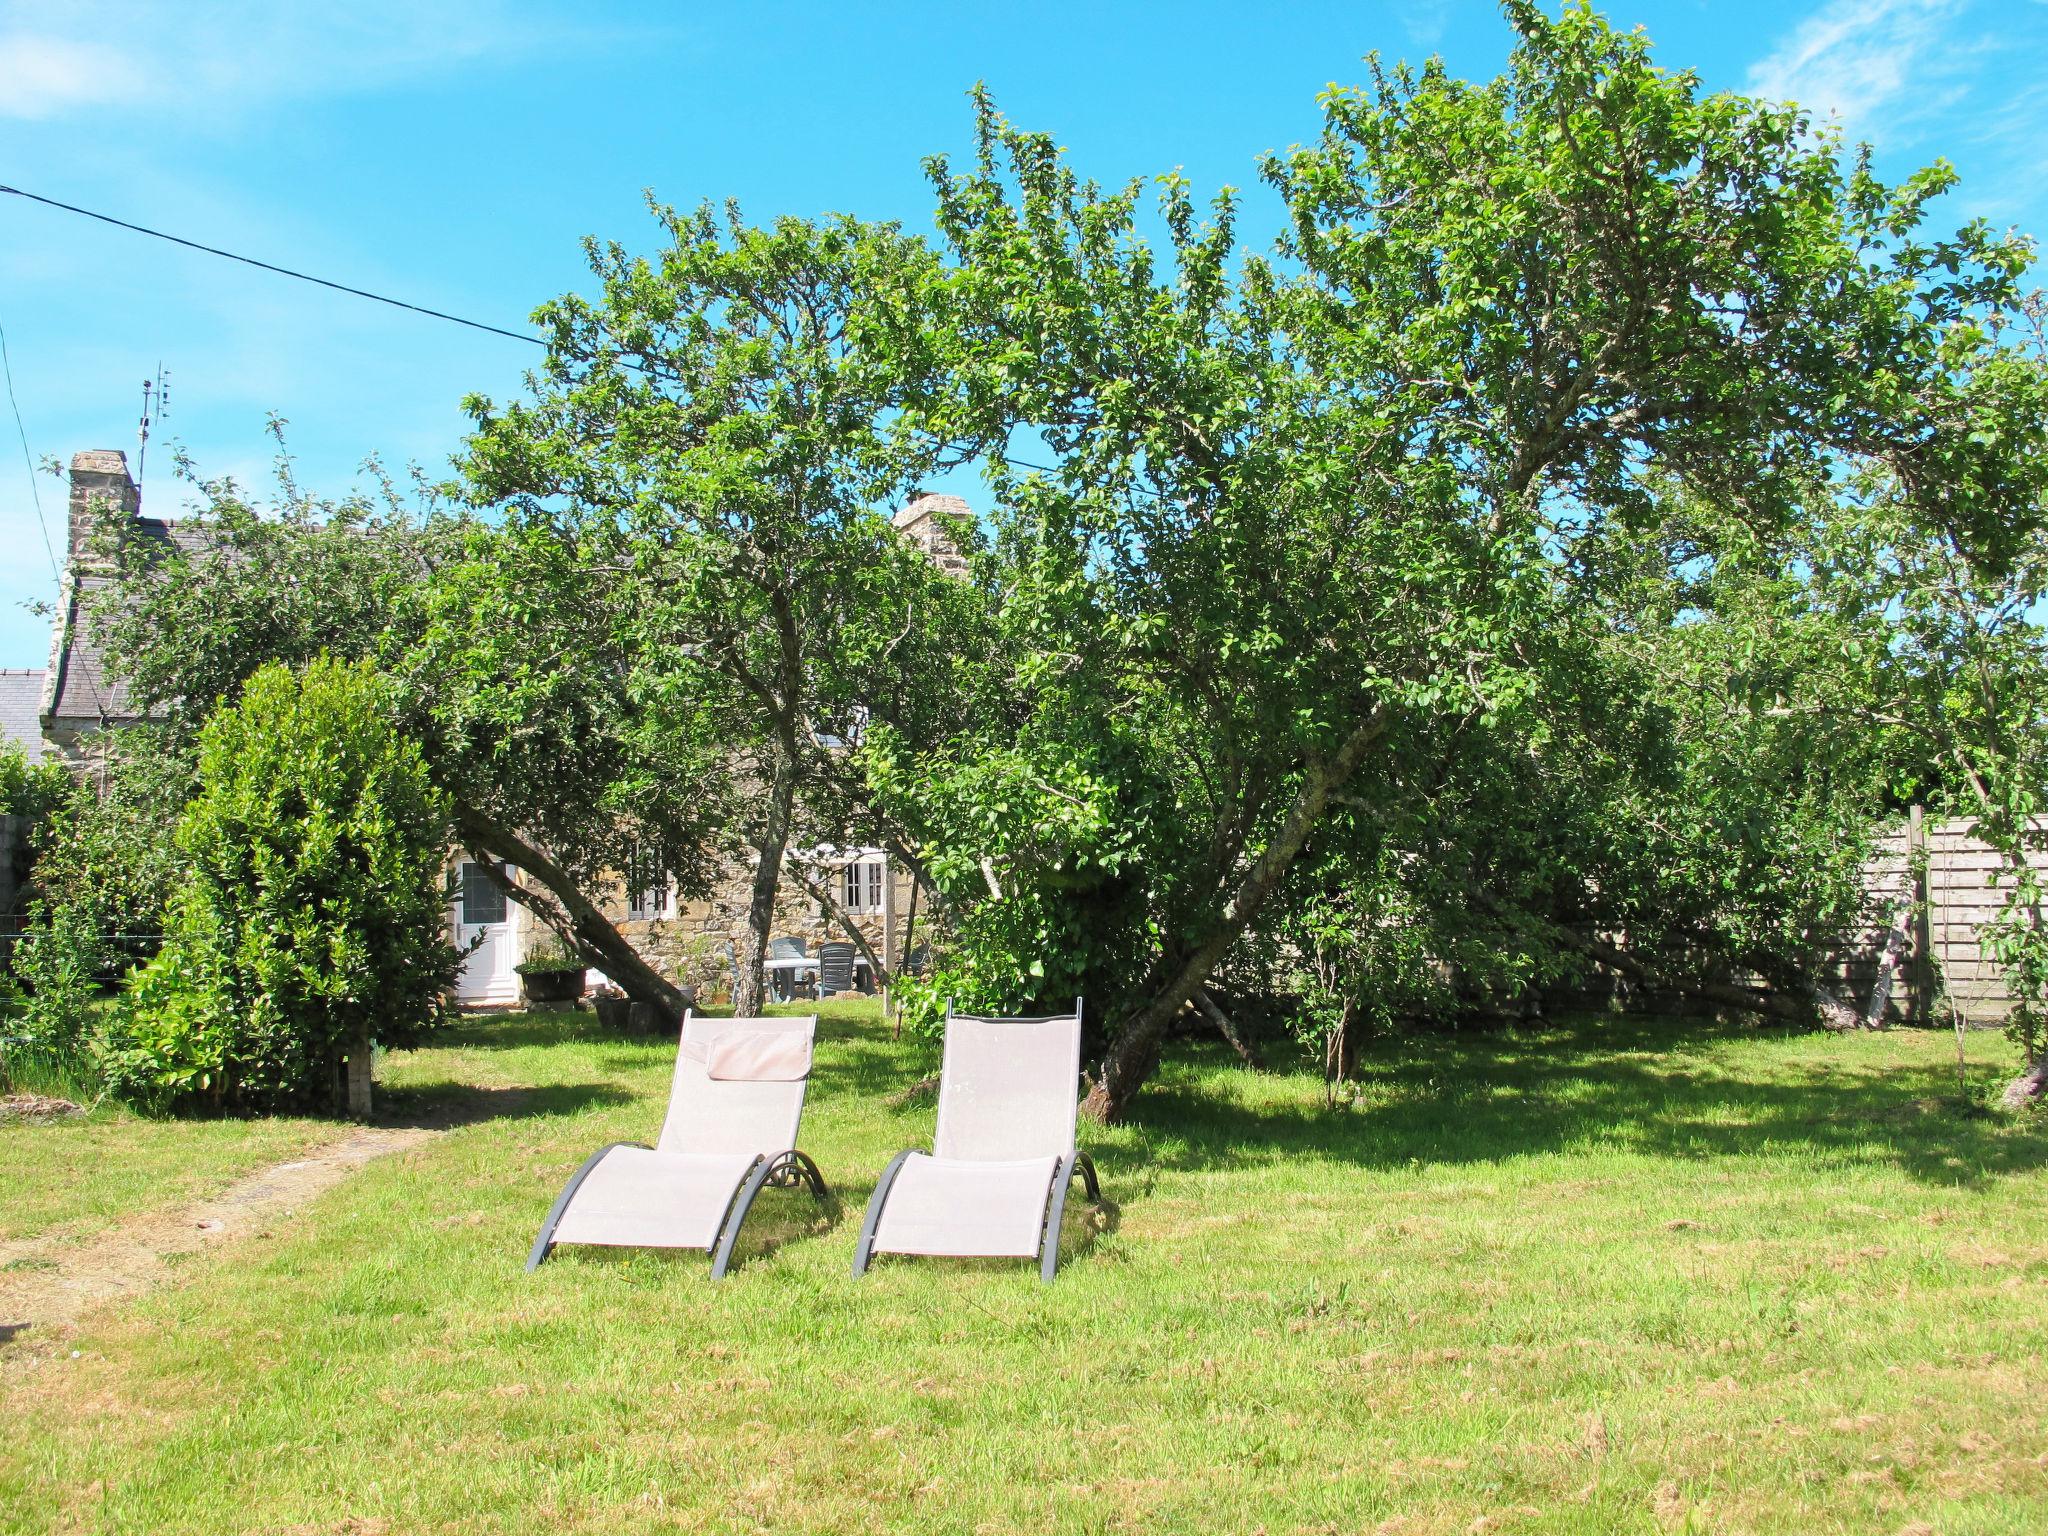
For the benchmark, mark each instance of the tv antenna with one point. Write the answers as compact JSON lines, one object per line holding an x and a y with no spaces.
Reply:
{"x":157,"y":391}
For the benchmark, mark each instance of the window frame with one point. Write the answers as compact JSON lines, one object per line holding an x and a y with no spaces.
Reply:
{"x":863,"y":884}
{"x":472,"y":878}
{"x":650,"y":890}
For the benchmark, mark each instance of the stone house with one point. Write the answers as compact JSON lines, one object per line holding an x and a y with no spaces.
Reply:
{"x":692,"y":942}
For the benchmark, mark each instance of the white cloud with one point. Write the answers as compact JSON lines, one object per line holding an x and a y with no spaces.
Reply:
{"x":220,"y":59}
{"x":1921,"y":78}
{"x":1425,"y":20}
{"x":1872,"y":63}
{"x":46,"y":76}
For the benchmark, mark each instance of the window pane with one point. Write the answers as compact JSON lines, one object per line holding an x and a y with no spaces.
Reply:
{"x":482,"y":902}
{"x":646,"y":887}
{"x":874,"y":885}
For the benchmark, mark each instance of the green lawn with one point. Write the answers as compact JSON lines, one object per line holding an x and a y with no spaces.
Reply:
{"x":1619,"y":1276}
{"x":70,"y":1179}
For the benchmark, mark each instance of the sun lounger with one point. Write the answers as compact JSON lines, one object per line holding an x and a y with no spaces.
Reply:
{"x":731,"y":1127}
{"x":995,"y":1182}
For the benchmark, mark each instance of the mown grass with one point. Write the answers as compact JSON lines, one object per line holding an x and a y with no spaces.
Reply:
{"x":1610,"y":1276}
{"x":72,"y":1178}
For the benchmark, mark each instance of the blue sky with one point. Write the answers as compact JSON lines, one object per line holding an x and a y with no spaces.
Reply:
{"x":453,"y":155}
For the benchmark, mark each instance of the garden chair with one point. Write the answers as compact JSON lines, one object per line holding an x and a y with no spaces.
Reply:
{"x":835,"y":968}
{"x":787,"y":980}
{"x":995,"y":1182}
{"x":733,"y":1111}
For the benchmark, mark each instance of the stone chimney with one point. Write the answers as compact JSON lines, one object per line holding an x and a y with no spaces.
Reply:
{"x":931,"y":522}
{"x":99,"y":480}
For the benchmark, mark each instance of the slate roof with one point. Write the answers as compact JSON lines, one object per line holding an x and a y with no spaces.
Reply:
{"x":21,"y":704}
{"x":80,"y":693}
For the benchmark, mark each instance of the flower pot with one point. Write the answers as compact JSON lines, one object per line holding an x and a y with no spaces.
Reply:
{"x":551,"y":986}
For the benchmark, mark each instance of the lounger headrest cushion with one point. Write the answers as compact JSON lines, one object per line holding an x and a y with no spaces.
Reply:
{"x":758,"y":1056}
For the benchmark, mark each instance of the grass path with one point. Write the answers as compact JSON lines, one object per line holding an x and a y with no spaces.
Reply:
{"x":47,"y":1284}
{"x":68,"y":1180}
{"x":1607,"y":1276}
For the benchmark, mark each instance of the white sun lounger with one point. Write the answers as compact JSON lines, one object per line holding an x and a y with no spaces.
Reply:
{"x":731,"y":1127}
{"x":995,"y":1182}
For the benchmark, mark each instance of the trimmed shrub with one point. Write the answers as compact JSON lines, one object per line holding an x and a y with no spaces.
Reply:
{"x":313,"y":921}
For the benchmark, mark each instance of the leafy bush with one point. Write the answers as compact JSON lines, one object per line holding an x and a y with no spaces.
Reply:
{"x":30,"y":790}
{"x":29,"y":793}
{"x":107,"y":858}
{"x":312,"y":921}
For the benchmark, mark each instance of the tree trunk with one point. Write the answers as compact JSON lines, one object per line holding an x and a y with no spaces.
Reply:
{"x":750,"y":984}
{"x":909,"y":935}
{"x":1337,"y":1050}
{"x":1134,"y":1053}
{"x":1887,"y":968}
{"x":361,"y":1060}
{"x":1227,"y":1028}
{"x":572,"y":914}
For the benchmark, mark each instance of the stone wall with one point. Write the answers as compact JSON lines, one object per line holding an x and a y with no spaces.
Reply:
{"x":690,"y":945}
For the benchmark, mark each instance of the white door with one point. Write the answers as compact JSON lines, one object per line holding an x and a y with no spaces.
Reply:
{"x":483,"y":914}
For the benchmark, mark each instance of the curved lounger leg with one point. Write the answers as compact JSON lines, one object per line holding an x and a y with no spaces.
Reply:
{"x":736,"y":1213}
{"x":546,"y":1240}
{"x":1085,"y":1166}
{"x":783,"y":1171}
{"x":864,"y":1250}
{"x":793,"y":1168}
{"x":1055,"y":1208}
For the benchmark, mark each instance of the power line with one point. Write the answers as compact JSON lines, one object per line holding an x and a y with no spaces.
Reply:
{"x":649,"y":369}
{"x":251,"y":261}
{"x":36,"y":496}
{"x":34,"y":488}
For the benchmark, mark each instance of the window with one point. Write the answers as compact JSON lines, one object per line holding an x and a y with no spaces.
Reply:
{"x":860,"y":884}
{"x":482,"y":901}
{"x":647,"y":892}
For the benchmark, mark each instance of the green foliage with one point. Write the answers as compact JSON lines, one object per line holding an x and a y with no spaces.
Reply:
{"x":30,"y":790}
{"x":31,"y":793}
{"x":1004,"y":809}
{"x":1605,"y":502}
{"x":314,"y":914}
{"x":107,"y":865}
{"x":504,"y":652}
{"x":551,"y":957}
{"x":1327,"y":576}
{"x":710,"y":437}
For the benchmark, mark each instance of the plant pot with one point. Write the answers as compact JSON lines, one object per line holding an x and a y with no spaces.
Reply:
{"x":551,"y":986}
{"x":631,"y":1018}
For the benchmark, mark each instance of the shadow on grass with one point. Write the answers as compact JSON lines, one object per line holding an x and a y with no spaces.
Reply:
{"x":1637,"y":1085}
{"x":1661,"y":1087}
{"x":446,"y":1105}
{"x":511,"y":1031}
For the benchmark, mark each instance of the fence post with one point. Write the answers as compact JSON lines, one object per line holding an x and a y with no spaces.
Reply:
{"x":1922,"y":1008}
